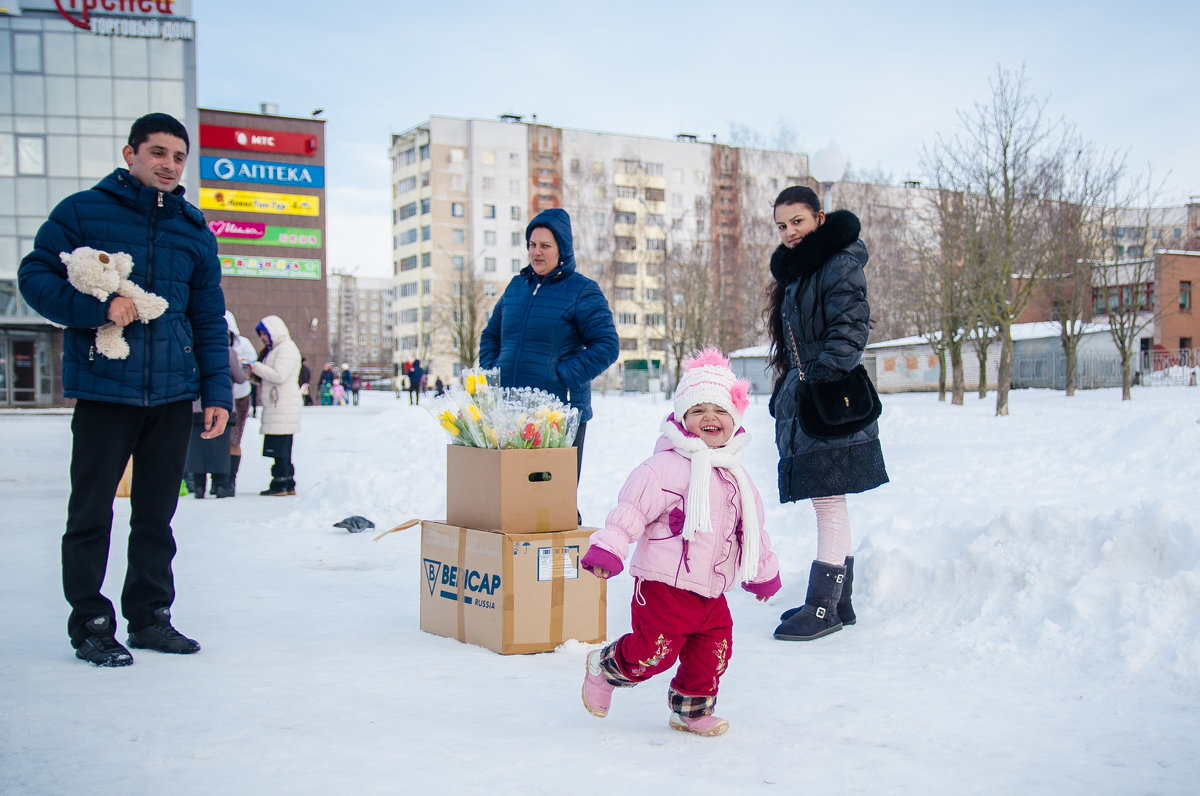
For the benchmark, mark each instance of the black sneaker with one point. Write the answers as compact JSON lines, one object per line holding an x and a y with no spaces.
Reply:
{"x":161,"y":637}
{"x":101,"y":647}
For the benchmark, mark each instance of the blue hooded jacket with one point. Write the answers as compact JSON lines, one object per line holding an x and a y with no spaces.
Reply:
{"x":177,"y":356}
{"x":555,"y":332}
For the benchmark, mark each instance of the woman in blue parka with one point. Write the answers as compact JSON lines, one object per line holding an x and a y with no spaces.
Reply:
{"x":552,"y":329}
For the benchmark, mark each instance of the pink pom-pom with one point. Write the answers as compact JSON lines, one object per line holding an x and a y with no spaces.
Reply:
{"x":739,"y":393}
{"x":709,"y":356}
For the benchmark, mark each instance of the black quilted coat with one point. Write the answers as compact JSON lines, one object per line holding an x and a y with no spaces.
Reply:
{"x":826,"y":319}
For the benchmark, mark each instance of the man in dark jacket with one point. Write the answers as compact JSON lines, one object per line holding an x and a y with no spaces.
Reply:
{"x":140,"y":405}
{"x":552,"y":329}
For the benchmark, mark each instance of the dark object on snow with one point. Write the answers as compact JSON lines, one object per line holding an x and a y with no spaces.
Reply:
{"x":354,"y":524}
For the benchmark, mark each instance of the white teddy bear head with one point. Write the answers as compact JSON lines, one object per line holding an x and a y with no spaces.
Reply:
{"x":95,"y":272}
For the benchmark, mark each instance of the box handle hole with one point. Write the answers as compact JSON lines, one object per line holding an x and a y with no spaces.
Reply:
{"x":536,"y":477}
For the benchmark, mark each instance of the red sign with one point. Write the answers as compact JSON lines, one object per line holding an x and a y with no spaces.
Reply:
{"x":212,"y":135}
{"x":79,"y":12}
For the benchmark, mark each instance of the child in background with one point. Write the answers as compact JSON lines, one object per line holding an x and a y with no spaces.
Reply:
{"x":338,"y":393}
{"x":697,"y":520}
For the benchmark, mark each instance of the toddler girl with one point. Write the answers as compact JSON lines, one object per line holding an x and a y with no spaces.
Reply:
{"x":697,"y":520}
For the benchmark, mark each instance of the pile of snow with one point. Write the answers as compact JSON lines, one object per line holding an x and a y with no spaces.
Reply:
{"x":1028,"y":592}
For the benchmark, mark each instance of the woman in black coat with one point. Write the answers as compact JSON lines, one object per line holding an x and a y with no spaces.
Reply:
{"x":819,"y":319}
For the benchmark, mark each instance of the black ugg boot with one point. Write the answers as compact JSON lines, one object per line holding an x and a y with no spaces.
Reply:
{"x":845,"y":609}
{"x":228,"y":486}
{"x":818,"y":616}
{"x":196,"y":483}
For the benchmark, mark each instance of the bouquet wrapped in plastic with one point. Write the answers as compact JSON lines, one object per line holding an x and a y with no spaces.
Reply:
{"x":480,"y":414}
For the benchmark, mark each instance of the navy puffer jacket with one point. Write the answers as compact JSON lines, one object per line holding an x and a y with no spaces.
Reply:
{"x":177,"y":356}
{"x":555,"y":332}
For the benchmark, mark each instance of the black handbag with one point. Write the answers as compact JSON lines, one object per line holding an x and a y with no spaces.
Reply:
{"x":833,"y":409}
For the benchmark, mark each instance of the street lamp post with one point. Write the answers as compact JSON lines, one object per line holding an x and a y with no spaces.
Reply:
{"x":827,"y":167}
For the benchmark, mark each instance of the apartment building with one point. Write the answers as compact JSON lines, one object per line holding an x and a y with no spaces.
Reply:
{"x":360,"y":323}
{"x":642,"y":209}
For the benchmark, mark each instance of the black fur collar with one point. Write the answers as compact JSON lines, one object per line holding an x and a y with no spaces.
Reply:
{"x":841,"y":228}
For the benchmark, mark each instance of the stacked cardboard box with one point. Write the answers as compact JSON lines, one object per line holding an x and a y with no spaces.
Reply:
{"x":503,"y":570}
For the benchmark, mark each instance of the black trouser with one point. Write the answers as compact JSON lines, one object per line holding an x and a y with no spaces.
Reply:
{"x":279,"y":448}
{"x":104,"y":435}
{"x":579,"y":435}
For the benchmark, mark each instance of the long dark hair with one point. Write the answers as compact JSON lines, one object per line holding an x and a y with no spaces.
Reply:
{"x":777,"y":356}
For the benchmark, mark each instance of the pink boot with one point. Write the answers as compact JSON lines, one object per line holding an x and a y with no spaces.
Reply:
{"x":701,"y":725}
{"x":597,"y":691}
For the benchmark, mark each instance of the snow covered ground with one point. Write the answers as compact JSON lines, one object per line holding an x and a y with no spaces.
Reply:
{"x":1028,"y":592}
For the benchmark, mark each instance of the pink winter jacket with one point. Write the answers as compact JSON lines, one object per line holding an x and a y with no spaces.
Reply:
{"x":649,"y":513}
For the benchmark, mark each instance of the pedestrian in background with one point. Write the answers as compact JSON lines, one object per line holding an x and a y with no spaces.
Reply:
{"x":279,"y":370}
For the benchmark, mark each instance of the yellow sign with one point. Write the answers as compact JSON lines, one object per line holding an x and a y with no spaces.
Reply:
{"x":291,"y":204}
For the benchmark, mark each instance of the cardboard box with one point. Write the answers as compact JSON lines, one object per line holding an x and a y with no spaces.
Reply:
{"x":519,"y":491}
{"x":510,"y":592}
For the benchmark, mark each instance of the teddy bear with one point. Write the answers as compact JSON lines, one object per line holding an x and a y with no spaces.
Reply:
{"x":101,"y":274}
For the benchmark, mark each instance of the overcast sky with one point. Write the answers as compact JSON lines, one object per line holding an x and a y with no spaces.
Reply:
{"x":877,"y":80}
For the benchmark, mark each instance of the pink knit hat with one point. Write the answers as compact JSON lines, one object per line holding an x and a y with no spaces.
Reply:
{"x":708,"y":379}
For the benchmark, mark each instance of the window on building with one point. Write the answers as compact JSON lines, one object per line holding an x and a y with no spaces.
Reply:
{"x":625,"y":293}
{"x":620,"y":217}
{"x":408,"y":236}
{"x":408,"y":289}
{"x":458,"y":262}
{"x":516,"y":239}
{"x":457,"y":154}
{"x":514,"y":187}
{"x":600,"y":220}
{"x":426,"y":232}
{"x":424,"y":151}
{"x":658,"y":344}
{"x":652,"y":294}
{"x":489,"y":211}
{"x":425,"y":205}
{"x":654,"y":319}
{"x":489,"y":289}
{"x":489,"y":265}
{"x":1185,"y":296}
{"x":408,"y":157}
{"x":487,"y":157}
{"x":408,"y":211}
{"x":627,"y":319}
{"x":425,"y":180}
{"x":656,"y":195}
{"x":489,"y":184}
{"x":31,"y":154}
{"x":489,"y":237}
{"x":656,"y":244}
{"x":627,"y":269}
{"x":408,"y":263}
{"x":629,"y":344}
{"x":599,"y":192}
{"x":626,"y":242}
{"x":655,"y":220}
{"x":516,"y":265}
{"x":406,"y":185}
{"x":425,"y":259}
{"x":426,"y":287}
{"x":456,"y":209}
{"x":514,"y":158}
{"x":458,"y":235}
{"x":626,"y":192}
{"x":514,"y":212}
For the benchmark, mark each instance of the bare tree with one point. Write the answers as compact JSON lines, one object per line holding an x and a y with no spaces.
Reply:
{"x":463,"y":315}
{"x":1004,"y":157}
{"x":1078,"y":215}
{"x":687,"y":294}
{"x":1124,"y":280}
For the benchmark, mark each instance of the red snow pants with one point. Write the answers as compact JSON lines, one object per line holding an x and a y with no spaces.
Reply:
{"x":672,"y":624}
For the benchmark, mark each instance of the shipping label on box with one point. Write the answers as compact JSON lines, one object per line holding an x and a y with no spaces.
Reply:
{"x":518,"y":491}
{"x":512,"y":593}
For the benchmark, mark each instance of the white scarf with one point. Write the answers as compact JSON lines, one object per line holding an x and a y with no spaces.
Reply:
{"x":696,"y":507}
